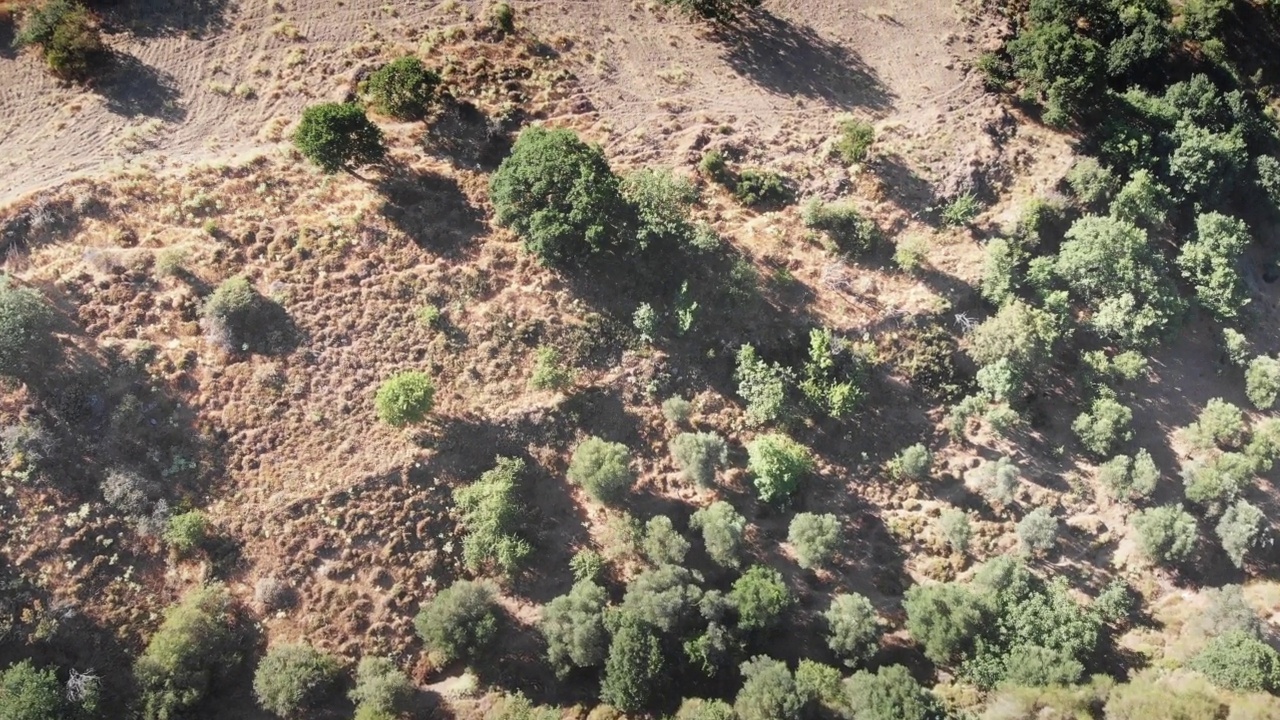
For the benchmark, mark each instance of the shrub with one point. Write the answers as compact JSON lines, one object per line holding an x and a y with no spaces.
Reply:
{"x":768,"y":691}
{"x":338,"y":136}
{"x":1103,"y":426}
{"x":291,"y":678}
{"x":761,"y":598}
{"x":700,"y":709}
{"x":460,"y":622}
{"x":196,"y":645}
{"x":756,"y":188}
{"x":634,"y":667}
{"x":1018,"y":333}
{"x":30,"y":694}
{"x":1143,"y":201}
{"x":1130,"y":478}
{"x":888,"y":694}
{"x":777,"y":465}
{"x":1262,"y":382}
{"x":853,"y":628}
{"x":403,"y":88}
{"x":663,"y":545}
{"x":819,"y":684}
{"x":1116,"y":602}
{"x":714,"y":9}
{"x":1142,"y":699}
{"x":549,"y":370}
{"x":997,"y":480}
{"x":1035,"y":666}
{"x":559,"y":195}
{"x":503,"y":17}
{"x":677,"y":410}
{"x":573,"y":625}
{"x":68,"y":36}
{"x":405,"y":398}
{"x":1217,"y":479}
{"x":830,"y":375}
{"x":490,"y":515}
{"x":27,"y":344}
{"x":943,"y":618}
{"x":602,"y":468}
{"x":715,"y":166}
{"x":1210,"y":261}
{"x":1219,"y":423}
{"x":1091,"y":182}
{"x":953,"y":523}
{"x":1038,"y":531}
{"x":960,"y":210}
{"x":910,"y":253}
{"x":722,"y":529}
{"x":1240,"y":529}
{"x":382,"y":690}
{"x":662,"y":201}
{"x":587,"y":565}
{"x":186,"y":531}
{"x":912,"y":463}
{"x":855,"y":140}
{"x":645,"y":321}
{"x":234,"y":314}
{"x":699,"y":455}
{"x":273,"y":594}
{"x":764,"y":386}
{"x":1166,"y":534}
{"x":846,"y":229}
{"x":665,"y":597}
{"x":815,"y":538}
{"x":1239,"y":661}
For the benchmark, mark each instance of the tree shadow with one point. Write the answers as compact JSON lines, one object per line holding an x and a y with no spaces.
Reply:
{"x":131,"y":88}
{"x":8,"y":30}
{"x":159,"y":18}
{"x":905,"y":188}
{"x":464,"y":135}
{"x":430,"y":208}
{"x":789,"y":59}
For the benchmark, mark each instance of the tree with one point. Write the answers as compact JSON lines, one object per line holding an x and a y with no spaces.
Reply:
{"x":997,"y":480}
{"x":768,"y":691}
{"x":403,"y":88}
{"x":68,"y":36}
{"x":196,"y":644}
{"x":237,"y":317}
{"x":715,"y":9}
{"x":764,"y":386}
{"x":777,"y":464}
{"x":665,"y":597}
{"x":1143,"y":201}
{"x":292,"y":678}
{"x":1208,"y":164}
{"x":381,"y":690}
{"x":634,"y":667}
{"x":338,"y":136}
{"x":560,"y":196}
{"x":700,"y":709}
{"x":1019,"y":333}
{"x":1218,"y":479}
{"x":761,"y":598}
{"x":602,"y":468}
{"x":853,"y":628}
{"x":1166,"y":534}
{"x":30,"y":694}
{"x":912,"y":463}
{"x":944,"y":618}
{"x":699,"y":455}
{"x":1038,"y":531}
{"x":1239,"y":529}
{"x":1262,"y":381}
{"x":1226,"y":610}
{"x":27,"y":344}
{"x":1130,"y":478}
{"x":490,"y":514}
{"x":460,"y":622}
{"x":888,"y":694}
{"x":1091,"y":182}
{"x":722,"y":529}
{"x":662,"y":201}
{"x":1210,"y":262}
{"x":573,"y":625}
{"x":1239,"y":661}
{"x":663,"y":545}
{"x":405,"y":398}
{"x":953,"y":523}
{"x":814,"y":537}
{"x":1104,"y":425}
{"x":1035,"y":666}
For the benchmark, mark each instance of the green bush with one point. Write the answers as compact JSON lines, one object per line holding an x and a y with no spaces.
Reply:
{"x":1166,"y":534}
{"x":815,"y":538}
{"x":699,"y":455}
{"x":854,"y":143}
{"x":777,"y":464}
{"x":634,"y":667}
{"x":1104,"y":426}
{"x":890,"y":693}
{"x":912,"y":463}
{"x":382,"y":690}
{"x":846,"y":229}
{"x":1210,"y":262}
{"x":700,"y":709}
{"x":573,"y":625}
{"x":27,"y":344}
{"x":714,"y":9}
{"x":662,"y":202}
{"x":1018,"y":333}
{"x":768,"y":691}
{"x":1219,"y":424}
{"x":1116,"y":602}
{"x":761,"y":598}
{"x":1091,"y":182}
{"x":960,"y":210}
{"x":1143,"y":699}
{"x":460,"y":622}
{"x":1130,"y":478}
{"x":1262,"y":381}
{"x":560,"y":196}
{"x":943,"y":618}
{"x":339,"y":136}
{"x":910,"y":253}
{"x":953,"y":525}
{"x":405,"y":398}
{"x":997,"y":480}
{"x":722,"y":528}
{"x":236,"y":317}
{"x":602,"y":468}
{"x":663,"y":544}
{"x":187,"y":531}
{"x":1239,"y":661}
{"x":715,"y":166}
{"x":587,"y":565}
{"x":831,"y":375}
{"x":1035,"y":666}
{"x":756,"y":188}
{"x":490,"y":512}
{"x":1038,"y":531}
{"x":403,"y":88}
{"x":503,"y":17}
{"x":853,"y":628}
{"x":292,"y":678}
{"x":677,"y":410}
{"x":1143,"y":201}
{"x":1218,"y":479}
{"x":549,"y":370}
{"x":30,"y":694}
{"x":1239,"y":529}
{"x":764,"y":387}
{"x":68,"y":36}
{"x":196,"y":645}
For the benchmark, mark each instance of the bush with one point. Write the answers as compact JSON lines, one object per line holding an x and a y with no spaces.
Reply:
{"x":677,"y":410}
{"x":186,"y":531}
{"x":338,"y":136}
{"x":997,"y":480}
{"x":602,"y":468}
{"x":1035,"y":666}
{"x":1166,"y":534}
{"x":1218,"y":479}
{"x":953,"y":523}
{"x":815,"y":538}
{"x":912,"y":463}
{"x":722,"y":529}
{"x":27,"y":344}
{"x":196,"y":645}
{"x":490,"y":516}
{"x":1143,"y":699}
{"x":714,"y":9}
{"x":768,"y":691}
{"x":1018,"y":333}
{"x":888,"y":694}
{"x":777,"y":464}
{"x":1103,"y":426}
{"x":855,"y":140}
{"x":1130,"y":478}
{"x":846,"y":229}
{"x":1219,"y":423}
{"x":715,"y":166}
{"x":30,"y":694}
{"x":662,"y":201}
{"x":699,"y":455}
{"x":68,"y":36}
{"x":403,"y":88}
{"x":960,"y":210}
{"x":756,"y":188}
{"x":831,"y":374}
{"x":405,"y":398}
{"x":910,"y":253}
{"x":1091,"y":182}
{"x":665,"y":597}
{"x":763,"y":386}
{"x":853,"y":628}
{"x":943,"y":618}
{"x":1240,"y":529}
{"x":1116,"y":602}
{"x":235,"y":316}
{"x":382,"y":690}
{"x":663,"y":545}
{"x":761,"y":598}
{"x":292,"y":678}
{"x":1239,"y":661}
{"x":1038,"y":531}
{"x":1210,"y":261}
{"x":559,"y":195}
{"x":700,"y":709}
{"x":1262,"y":382}
{"x":573,"y":625}
{"x":1143,"y":201}
{"x":503,"y":17}
{"x":549,"y":370}
{"x":634,"y":668}
{"x":460,"y":622}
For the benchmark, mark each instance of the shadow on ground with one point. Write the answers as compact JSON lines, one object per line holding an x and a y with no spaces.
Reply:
{"x":131,"y":88}
{"x":430,"y":208}
{"x":158,"y":18}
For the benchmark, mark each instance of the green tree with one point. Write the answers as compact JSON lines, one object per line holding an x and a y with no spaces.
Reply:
{"x":1143,"y":201}
{"x":912,"y":463}
{"x":954,"y":526}
{"x":1239,"y":529}
{"x":27,"y":344}
{"x":699,"y":455}
{"x":1166,"y":534}
{"x":68,"y":37}
{"x":1038,"y":530}
{"x":339,"y":136}
{"x":997,"y":480}
{"x":853,"y":628}
{"x":1217,"y":479}
{"x":196,"y":645}
{"x":490,"y":517}
{"x":560,"y":196}
{"x":761,"y":598}
{"x":814,"y":537}
{"x":665,"y":597}
{"x":292,"y":678}
{"x":1262,"y":382}
{"x":30,"y":694}
{"x":1207,"y":164}
{"x":1237,"y":660}
{"x":1210,"y":261}
{"x":634,"y":668}
{"x":1060,"y":68}
{"x":700,"y":709}
{"x":382,"y":690}
{"x":403,"y":88}
{"x":777,"y":465}
{"x":890,"y":693}
{"x":663,"y":544}
{"x":573,"y":625}
{"x":768,"y":691}
{"x":1130,"y":478}
{"x":460,"y":622}
{"x":602,"y":468}
{"x":943,"y":618}
{"x":764,"y":386}
{"x":1105,"y":425}
{"x":1220,"y":423}
{"x":722,"y":528}
{"x":1091,"y":182}
{"x":405,"y":398}
{"x":1018,"y":333}
{"x":662,"y":202}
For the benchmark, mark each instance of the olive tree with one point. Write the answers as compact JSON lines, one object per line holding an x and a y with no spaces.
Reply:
{"x":573,"y":625}
{"x":853,"y":628}
{"x":1166,"y":534}
{"x":722,"y":528}
{"x":814,"y":537}
{"x":339,"y":136}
